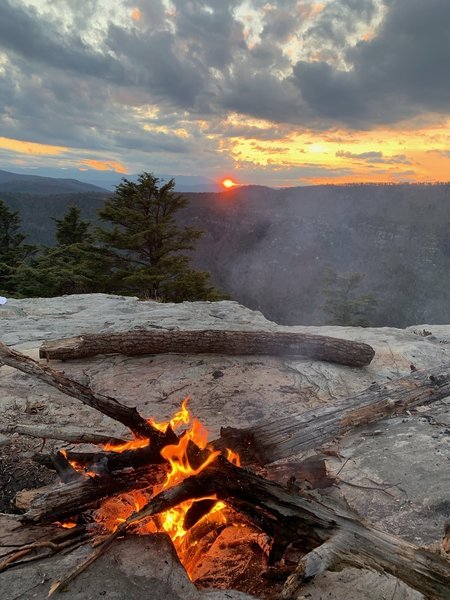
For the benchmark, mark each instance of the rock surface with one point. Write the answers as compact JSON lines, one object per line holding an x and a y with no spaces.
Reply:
{"x":410,"y":453}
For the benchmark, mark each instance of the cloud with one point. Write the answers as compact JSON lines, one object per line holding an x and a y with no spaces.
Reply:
{"x":396,"y":75}
{"x":375,"y":157}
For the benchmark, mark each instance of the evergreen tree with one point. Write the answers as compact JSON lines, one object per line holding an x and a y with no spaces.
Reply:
{"x":73,"y":266}
{"x":13,"y":251}
{"x":344,"y":305}
{"x":71,"y":230}
{"x":148,"y":246}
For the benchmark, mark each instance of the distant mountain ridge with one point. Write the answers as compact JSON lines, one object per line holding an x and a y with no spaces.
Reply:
{"x":269,"y":249}
{"x":36,"y":184}
{"x":86,"y":180}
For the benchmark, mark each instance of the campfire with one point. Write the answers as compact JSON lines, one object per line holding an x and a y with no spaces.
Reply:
{"x":170,"y":479}
{"x":187,"y":523}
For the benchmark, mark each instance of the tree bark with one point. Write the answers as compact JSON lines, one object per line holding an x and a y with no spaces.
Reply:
{"x":65,"y":434}
{"x":284,"y":437}
{"x":105,"y":404}
{"x":64,"y":501}
{"x":158,"y":341}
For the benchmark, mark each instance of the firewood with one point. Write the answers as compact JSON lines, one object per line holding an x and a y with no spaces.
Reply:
{"x":157,"y":341}
{"x":64,"y":501}
{"x":286,"y":436}
{"x":331,"y":535}
{"x":107,"y":405}
{"x":65,"y":434}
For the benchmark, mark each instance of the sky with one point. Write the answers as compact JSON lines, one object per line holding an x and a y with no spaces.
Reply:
{"x":280,"y":93}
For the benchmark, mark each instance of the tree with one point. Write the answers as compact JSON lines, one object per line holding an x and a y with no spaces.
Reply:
{"x":74,"y":266}
{"x":148,"y":246}
{"x":343,"y":304}
{"x":13,"y":251}
{"x":71,"y":230}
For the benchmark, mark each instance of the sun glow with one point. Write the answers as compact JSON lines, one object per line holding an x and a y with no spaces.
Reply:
{"x":228,"y":183}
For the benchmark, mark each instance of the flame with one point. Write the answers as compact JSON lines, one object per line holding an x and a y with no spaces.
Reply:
{"x":77,"y":467}
{"x":131,"y":445}
{"x":186,"y":458}
{"x":180,"y":418}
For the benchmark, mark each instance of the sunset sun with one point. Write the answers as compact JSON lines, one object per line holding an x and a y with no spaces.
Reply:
{"x":228,"y":183}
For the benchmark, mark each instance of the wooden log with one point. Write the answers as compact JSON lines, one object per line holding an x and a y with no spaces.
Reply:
{"x":286,"y":436}
{"x":67,"y":433}
{"x":157,"y":341}
{"x":330,"y":534}
{"x":64,"y":501}
{"x":107,"y":405}
{"x":280,"y":438}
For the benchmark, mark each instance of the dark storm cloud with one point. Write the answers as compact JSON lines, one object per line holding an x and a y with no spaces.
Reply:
{"x":24,"y":33}
{"x":281,"y":21}
{"x":155,"y":62}
{"x":210,"y":30}
{"x":403,"y":71}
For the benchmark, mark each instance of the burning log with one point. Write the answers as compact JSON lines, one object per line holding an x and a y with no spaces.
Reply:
{"x":64,"y":501}
{"x":105,"y":404}
{"x":330,"y":534}
{"x":133,"y":343}
{"x":284,"y":437}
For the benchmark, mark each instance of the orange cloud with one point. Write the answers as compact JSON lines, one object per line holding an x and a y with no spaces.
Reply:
{"x":23,"y":147}
{"x":136,"y":14}
{"x":101,"y":165}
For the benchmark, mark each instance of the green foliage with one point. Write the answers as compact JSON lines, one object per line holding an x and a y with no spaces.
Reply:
{"x":147,"y":245}
{"x":343,"y":303}
{"x":13,"y":251}
{"x":70,"y":229}
{"x":73,"y":266}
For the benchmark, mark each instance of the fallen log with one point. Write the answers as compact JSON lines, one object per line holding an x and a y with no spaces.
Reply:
{"x":157,"y":341}
{"x":70,"y":434}
{"x":284,"y":437}
{"x":330,"y":534}
{"x":107,"y":405}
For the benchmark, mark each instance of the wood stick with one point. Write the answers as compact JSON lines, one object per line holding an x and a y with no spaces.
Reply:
{"x":107,"y":405}
{"x":64,"y":501}
{"x":65,"y":434}
{"x":157,"y":341}
{"x":329,"y":532}
{"x":284,"y":437}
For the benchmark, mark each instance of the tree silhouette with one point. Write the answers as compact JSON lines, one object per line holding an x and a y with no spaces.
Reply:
{"x":148,"y":247}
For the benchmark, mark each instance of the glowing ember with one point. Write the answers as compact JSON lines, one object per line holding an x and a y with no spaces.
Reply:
{"x":207,"y":514}
{"x":68,"y":525}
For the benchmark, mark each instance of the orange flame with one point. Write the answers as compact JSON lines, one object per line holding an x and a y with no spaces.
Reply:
{"x":131,"y":445}
{"x":192,"y":444}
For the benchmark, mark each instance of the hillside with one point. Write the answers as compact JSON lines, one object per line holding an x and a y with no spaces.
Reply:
{"x":269,"y":248}
{"x":35,"y":184}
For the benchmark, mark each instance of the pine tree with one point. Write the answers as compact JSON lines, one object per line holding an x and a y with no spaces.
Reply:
{"x":74,"y":266}
{"x":343,"y":304}
{"x":148,"y":246}
{"x":13,"y":250}
{"x":71,"y":230}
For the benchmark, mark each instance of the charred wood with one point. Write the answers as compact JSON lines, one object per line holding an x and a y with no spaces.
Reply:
{"x":107,"y":405}
{"x":284,"y":437}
